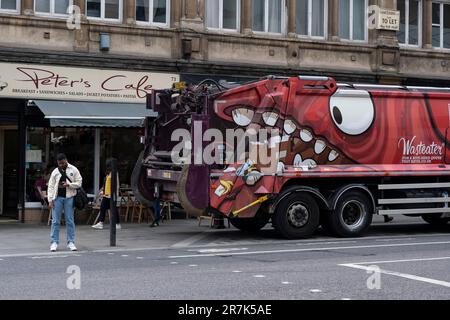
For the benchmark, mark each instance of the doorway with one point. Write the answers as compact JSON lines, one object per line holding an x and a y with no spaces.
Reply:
{"x":9,"y":159}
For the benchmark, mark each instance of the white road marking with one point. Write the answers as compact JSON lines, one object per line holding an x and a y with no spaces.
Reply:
{"x":236,"y":271}
{"x":218,"y":250}
{"x":187,"y":242}
{"x":111,"y":253}
{"x":173,"y":262}
{"x":399,"y":274}
{"x":329,"y":242}
{"x":406,"y":260}
{"x":259,"y":276}
{"x":397,"y":239}
{"x":139,"y":258}
{"x":346,"y":299}
{"x":53,"y":257}
{"x":124,"y":255}
{"x":315,"y":290}
{"x":312,"y":249}
{"x":193,"y":265}
{"x":286,"y":282}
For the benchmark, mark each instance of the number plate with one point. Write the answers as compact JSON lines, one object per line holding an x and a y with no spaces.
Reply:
{"x":167,"y":175}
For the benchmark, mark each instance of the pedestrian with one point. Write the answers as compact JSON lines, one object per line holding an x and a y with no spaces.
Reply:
{"x":156,"y":205}
{"x":62,"y":188}
{"x":105,"y":194}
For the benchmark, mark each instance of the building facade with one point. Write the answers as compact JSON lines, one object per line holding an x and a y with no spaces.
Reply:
{"x":195,"y":39}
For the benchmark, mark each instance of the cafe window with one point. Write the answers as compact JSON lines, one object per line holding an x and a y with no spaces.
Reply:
{"x":124,"y":145}
{"x":153,"y":12}
{"x":223,"y":14}
{"x":269,"y":16}
{"x":352,"y":20}
{"x":110,"y":10}
{"x":410,"y":22}
{"x":311,"y":18}
{"x":9,"y":6}
{"x":441,"y":25}
{"x":52,"y":7}
{"x":44,"y":144}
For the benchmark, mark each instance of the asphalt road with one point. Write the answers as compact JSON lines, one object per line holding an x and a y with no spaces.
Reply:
{"x":392,"y":262}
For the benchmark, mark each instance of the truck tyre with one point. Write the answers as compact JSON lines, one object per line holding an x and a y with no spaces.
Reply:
{"x":252,"y":224}
{"x":435,"y":219}
{"x":297,"y":216}
{"x":352,"y":216}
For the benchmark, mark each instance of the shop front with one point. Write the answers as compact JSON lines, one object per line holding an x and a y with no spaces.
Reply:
{"x":88,"y":114}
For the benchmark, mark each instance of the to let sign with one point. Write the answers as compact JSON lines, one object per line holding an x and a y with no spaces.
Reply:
{"x":388,"y":20}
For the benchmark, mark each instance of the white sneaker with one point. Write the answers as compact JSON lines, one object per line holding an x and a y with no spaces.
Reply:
{"x":71,"y":246}
{"x":98,"y":226}
{"x":118,"y":226}
{"x":53,"y":247}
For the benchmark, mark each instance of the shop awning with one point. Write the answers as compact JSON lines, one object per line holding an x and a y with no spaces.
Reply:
{"x":93,"y":114}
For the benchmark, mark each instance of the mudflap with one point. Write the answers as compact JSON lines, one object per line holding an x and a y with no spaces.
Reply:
{"x":193,"y":189}
{"x":142,"y":186}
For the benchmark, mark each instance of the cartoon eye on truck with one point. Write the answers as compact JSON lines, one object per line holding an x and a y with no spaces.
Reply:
{"x":342,"y":152}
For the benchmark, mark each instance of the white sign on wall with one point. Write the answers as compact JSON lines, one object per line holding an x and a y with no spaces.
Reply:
{"x":80,"y":84}
{"x":388,"y":20}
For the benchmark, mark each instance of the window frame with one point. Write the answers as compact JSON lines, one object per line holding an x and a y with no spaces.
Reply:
{"x":9,"y":11}
{"x":420,"y":26}
{"x":151,"y":23}
{"x":325,"y":21}
{"x":366,"y":26}
{"x":221,"y":28}
{"x":440,"y":25}
{"x":102,"y":13}
{"x":266,"y":20}
{"x":52,"y":10}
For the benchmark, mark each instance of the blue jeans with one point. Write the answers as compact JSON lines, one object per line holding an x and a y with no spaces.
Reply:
{"x":60,"y":204}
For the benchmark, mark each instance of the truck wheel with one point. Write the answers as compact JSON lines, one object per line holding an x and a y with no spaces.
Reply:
{"x":254,"y":224}
{"x":435,"y":219}
{"x":249,"y":224}
{"x":352,"y":216}
{"x":297,"y":216}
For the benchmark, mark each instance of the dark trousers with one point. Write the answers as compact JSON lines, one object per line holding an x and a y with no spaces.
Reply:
{"x":105,"y":206}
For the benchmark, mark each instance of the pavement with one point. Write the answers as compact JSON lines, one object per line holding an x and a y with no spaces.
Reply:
{"x":403,"y":259}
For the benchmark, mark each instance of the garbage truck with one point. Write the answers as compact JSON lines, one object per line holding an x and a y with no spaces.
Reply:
{"x":304,"y":152}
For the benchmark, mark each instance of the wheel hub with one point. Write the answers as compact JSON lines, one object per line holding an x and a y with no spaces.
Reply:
{"x":298,"y":215}
{"x":353,"y":214}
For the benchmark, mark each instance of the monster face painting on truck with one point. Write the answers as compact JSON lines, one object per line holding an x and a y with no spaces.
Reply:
{"x":344,"y":152}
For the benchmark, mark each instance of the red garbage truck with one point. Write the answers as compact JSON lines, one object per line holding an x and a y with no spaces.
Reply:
{"x":315,"y":153}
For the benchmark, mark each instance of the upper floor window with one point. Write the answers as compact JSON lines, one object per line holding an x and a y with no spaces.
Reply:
{"x":223,"y":14}
{"x":155,"y":12}
{"x":269,"y":15}
{"x":104,"y":9}
{"x":410,"y":21}
{"x":441,"y":25}
{"x":10,"y":6}
{"x":352,"y":20}
{"x":52,"y":7}
{"x":311,"y":17}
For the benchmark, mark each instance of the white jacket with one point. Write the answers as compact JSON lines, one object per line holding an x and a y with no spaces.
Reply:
{"x":73,"y":174}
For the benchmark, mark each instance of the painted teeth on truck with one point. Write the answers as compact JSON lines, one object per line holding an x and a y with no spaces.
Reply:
{"x":243,"y":116}
{"x":270,"y":118}
{"x":298,"y":160}
{"x":306,"y":135}
{"x":289,"y":126}
{"x":319,"y":147}
{"x":333,"y":155}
